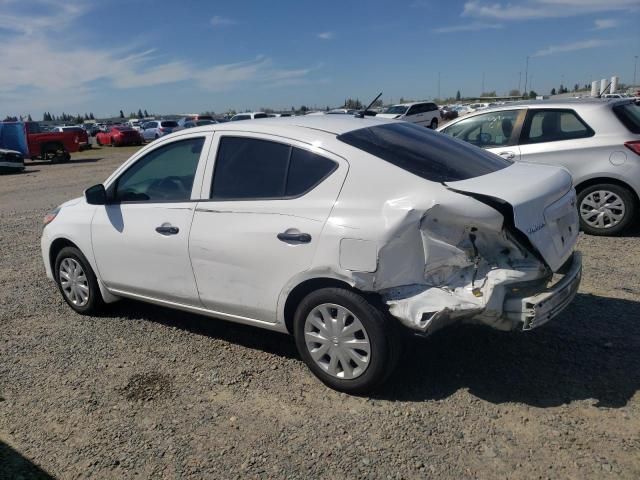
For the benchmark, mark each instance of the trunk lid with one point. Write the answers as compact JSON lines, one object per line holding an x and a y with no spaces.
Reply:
{"x":543,"y":203}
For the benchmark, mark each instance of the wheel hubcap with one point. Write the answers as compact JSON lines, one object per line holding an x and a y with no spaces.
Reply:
{"x":602,"y":209}
{"x":337,"y":341}
{"x":74,"y":282}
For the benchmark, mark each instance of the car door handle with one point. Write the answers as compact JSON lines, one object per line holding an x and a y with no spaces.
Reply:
{"x":507,"y":155}
{"x":294,"y":237}
{"x":167,"y":230}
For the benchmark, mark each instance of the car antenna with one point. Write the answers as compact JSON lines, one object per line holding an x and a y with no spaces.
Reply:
{"x":605,"y":89}
{"x":361,"y":114}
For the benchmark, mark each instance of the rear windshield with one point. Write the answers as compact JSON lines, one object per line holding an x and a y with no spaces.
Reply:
{"x":629,"y":115}
{"x":430,"y":155}
{"x":260,"y":115}
{"x":169,"y":124}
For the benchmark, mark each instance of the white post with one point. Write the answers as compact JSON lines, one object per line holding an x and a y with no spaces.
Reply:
{"x":614,"y":84}
{"x":594,"y":88}
{"x":603,"y":86}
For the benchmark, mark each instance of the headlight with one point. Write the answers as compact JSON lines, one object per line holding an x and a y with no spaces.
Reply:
{"x":50,"y":217}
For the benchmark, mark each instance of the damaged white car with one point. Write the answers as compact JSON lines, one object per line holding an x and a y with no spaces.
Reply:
{"x":340,"y":231}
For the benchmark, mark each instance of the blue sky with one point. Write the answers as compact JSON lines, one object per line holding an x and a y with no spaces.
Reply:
{"x":191,"y":56}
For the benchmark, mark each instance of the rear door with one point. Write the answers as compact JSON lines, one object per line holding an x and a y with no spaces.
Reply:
{"x":496,"y":131}
{"x":269,"y":199}
{"x":561,"y":137}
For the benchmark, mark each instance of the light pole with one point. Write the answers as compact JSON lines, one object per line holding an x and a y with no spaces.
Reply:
{"x":482,"y":90}
{"x":438,"y":86}
{"x":526,"y":74}
{"x":635,"y":65}
{"x":519,"y":80}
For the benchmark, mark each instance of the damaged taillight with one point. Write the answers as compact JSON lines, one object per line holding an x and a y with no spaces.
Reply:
{"x":634,"y":146}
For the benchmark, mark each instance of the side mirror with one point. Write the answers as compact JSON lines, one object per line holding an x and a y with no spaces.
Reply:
{"x":96,"y":195}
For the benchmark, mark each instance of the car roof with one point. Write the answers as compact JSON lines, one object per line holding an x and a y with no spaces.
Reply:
{"x":408,"y":104}
{"x":563,"y":103}
{"x":303,"y":125}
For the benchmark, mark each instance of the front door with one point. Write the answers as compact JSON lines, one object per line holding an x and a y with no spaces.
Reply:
{"x":495,"y":131}
{"x":269,"y":200}
{"x":140,"y":239}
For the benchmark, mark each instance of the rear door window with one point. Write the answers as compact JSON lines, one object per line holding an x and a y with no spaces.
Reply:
{"x":251,"y":168}
{"x":424,"y":153}
{"x":169,"y":124}
{"x":553,"y":125}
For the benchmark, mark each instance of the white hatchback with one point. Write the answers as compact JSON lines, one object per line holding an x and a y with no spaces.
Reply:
{"x":341,"y":231}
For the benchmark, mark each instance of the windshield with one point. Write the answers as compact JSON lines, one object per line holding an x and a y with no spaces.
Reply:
{"x":170,"y":124}
{"x":260,"y":115}
{"x":204,"y":122}
{"x":427,"y":154}
{"x":397,"y":109}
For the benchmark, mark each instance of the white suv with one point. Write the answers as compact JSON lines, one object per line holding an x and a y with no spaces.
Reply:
{"x":426,"y":114}
{"x":335,"y":229}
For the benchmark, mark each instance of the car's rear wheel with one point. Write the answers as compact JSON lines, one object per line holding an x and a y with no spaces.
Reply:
{"x":347,"y":342}
{"x":77,"y":282}
{"x":434,"y":124}
{"x":605,"y":209}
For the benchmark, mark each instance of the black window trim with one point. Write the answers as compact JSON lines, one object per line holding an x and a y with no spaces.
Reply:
{"x":113,"y":186}
{"x":213,"y":198}
{"x":526,"y":125}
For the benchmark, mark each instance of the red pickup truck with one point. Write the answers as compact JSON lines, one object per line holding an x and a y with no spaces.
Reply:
{"x":53,"y":146}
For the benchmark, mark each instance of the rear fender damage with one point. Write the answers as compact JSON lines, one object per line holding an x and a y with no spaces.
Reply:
{"x":449,"y":262}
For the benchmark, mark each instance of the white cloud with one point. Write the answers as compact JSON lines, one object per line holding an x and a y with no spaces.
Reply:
{"x":536,"y":9}
{"x":326,"y":35}
{"x":47,"y":72}
{"x":218,"y":21}
{"x":468,"y":27}
{"x":604,"y":23}
{"x":572,"y":47}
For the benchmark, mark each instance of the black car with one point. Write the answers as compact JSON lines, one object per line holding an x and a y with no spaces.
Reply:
{"x":11,"y":161}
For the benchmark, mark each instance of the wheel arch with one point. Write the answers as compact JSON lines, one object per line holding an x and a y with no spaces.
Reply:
{"x":304,"y":288}
{"x":56,"y":246}
{"x":611,"y":180}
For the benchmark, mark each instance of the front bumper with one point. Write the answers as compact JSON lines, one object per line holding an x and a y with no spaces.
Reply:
{"x":534,"y":311}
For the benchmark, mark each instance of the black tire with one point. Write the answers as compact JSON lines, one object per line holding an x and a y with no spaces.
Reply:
{"x":624,"y":194}
{"x":434,"y":124}
{"x":380,"y":329}
{"x":95,"y":302}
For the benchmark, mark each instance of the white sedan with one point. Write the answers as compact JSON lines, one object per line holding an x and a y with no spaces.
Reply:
{"x":339,"y":230}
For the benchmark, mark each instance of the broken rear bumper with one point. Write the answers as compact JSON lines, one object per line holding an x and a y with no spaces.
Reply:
{"x":531,"y":312}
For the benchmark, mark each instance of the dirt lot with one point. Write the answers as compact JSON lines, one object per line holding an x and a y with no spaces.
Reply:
{"x":145,"y":392}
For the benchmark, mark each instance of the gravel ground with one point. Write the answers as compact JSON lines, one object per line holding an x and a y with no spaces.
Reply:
{"x":145,"y":392}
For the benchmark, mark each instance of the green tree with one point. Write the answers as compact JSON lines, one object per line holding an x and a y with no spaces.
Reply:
{"x":121,"y":114}
{"x":304,"y":109}
{"x":29,"y":119}
{"x":139,"y":113}
{"x":533,"y":94}
{"x":488,"y":94}
{"x":91,"y":117}
{"x":514,"y":92}
{"x":553,"y":91}
{"x":576,"y":87}
{"x":458,"y":96}
{"x":146,"y":114}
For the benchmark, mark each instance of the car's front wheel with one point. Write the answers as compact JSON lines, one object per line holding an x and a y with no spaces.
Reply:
{"x":77,"y":282}
{"x":434,"y":124}
{"x":605,"y":209}
{"x":345,"y":340}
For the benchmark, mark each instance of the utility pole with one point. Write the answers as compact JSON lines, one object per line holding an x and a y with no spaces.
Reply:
{"x":635,"y":65}
{"x":482,"y":91}
{"x":526,"y":74}
{"x":439,"y":86}
{"x":519,"y":80}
